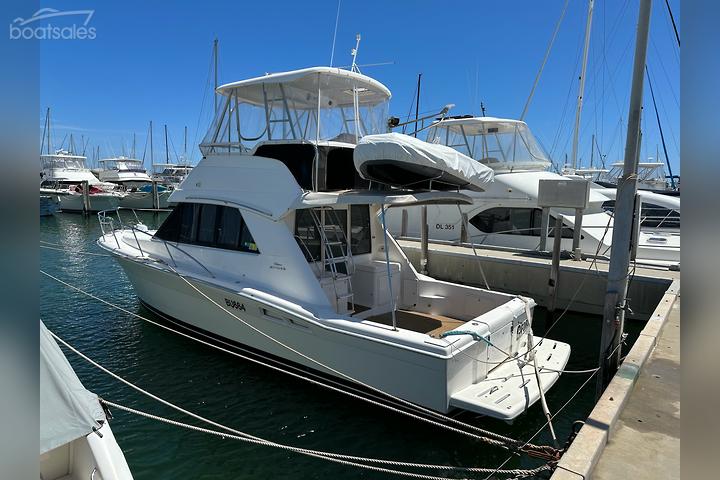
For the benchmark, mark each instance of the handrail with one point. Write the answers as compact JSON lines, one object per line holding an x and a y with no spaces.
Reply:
{"x":105,"y":221}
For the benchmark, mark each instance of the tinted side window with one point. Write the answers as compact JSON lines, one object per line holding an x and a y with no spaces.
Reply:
{"x":307,"y":235}
{"x":231,"y":224}
{"x":170,"y":228}
{"x":515,"y":221}
{"x":208,"y":225}
{"x":360,"y":229}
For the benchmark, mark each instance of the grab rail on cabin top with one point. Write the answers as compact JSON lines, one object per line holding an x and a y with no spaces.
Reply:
{"x":107,"y":221}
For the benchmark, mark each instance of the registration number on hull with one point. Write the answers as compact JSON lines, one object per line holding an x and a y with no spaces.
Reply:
{"x":235,"y":304}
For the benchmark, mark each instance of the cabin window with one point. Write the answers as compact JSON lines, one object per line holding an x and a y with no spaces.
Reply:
{"x":360,"y":242}
{"x":208,"y":225}
{"x":307,"y":235}
{"x":515,"y":221}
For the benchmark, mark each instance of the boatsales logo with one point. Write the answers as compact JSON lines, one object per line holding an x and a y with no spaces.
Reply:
{"x":51,"y":24}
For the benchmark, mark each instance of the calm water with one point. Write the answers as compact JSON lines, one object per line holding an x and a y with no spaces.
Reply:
{"x":249,"y":397}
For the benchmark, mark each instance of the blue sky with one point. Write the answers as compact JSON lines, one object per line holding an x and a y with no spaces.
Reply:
{"x":151,"y":61}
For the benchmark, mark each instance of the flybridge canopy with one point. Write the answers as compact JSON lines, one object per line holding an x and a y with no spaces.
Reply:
{"x":337,"y":88}
{"x":501,"y":144}
{"x":120,"y":159}
{"x":313,"y":104}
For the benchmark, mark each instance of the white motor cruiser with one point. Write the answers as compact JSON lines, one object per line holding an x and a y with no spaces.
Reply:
{"x":62,"y":174}
{"x":128,"y":172}
{"x":277,"y":243}
{"x":76,"y":442}
{"x":507,"y":214}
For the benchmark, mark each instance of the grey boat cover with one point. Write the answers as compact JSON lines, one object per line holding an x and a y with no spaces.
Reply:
{"x":416,"y":158}
{"x":67,"y":410}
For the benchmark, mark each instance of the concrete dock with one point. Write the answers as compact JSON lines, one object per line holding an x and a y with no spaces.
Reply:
{"x":634,"y":430}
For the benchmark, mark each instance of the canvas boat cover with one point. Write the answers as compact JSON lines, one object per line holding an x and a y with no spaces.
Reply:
{"x":407,"y":159}
{"x":67,"y":410}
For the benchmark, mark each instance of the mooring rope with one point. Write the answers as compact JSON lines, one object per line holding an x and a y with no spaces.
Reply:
{"x":515,"y":472}
{"x":258,"y":440}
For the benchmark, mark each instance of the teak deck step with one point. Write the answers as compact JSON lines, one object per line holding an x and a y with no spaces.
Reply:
{"x":433,"y":325}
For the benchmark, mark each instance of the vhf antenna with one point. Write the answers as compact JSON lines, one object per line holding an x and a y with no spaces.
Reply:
{"x":354,"y":52}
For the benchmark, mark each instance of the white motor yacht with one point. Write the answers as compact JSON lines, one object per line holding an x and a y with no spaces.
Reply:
{"x":278,"y":244}
{"x":172,"y":174}
{"x":76,"y":441}
{"x":128,"y":172}
{"x":62,"y":174}
{"x":507,"y":214}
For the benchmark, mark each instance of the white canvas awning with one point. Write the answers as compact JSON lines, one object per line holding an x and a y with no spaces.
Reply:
{"x":67,"y":410}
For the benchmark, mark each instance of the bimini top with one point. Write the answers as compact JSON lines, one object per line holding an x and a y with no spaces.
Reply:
{"x":500,"y":143}
{"x":316,"y":104}
{"x":336,"y":86}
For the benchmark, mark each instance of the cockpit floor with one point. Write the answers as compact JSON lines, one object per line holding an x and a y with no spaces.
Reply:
{"x":433,"y":325}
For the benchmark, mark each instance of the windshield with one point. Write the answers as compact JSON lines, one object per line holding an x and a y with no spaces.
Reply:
{"x":500,"y":145}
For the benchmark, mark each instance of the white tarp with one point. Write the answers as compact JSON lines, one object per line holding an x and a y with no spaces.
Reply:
{"x":67,"y":410}
{"x":412,"y":151}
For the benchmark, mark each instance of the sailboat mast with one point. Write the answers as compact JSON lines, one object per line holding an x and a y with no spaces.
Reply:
{"x":152,"y":157}
{"x":215,"y":61}
{"x":417,"y":104}
{"x":167,"y":152}
{"x":581,"y":88}
{"x":185,"y":146}
{"x":48,"y":131}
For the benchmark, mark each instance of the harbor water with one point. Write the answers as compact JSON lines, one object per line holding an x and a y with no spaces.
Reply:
{"x":253,"y":398}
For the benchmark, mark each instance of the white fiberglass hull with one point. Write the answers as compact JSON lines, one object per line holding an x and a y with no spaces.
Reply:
{"x":144,"y":200}
{"x":423,"y":377}
{"x":91,"y":456}
{"x":73,"y":202}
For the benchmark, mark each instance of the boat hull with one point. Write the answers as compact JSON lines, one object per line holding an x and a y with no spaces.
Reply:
{"x":144,"y":200}
{"x":73,"y":202}
{"x":412,"y":375}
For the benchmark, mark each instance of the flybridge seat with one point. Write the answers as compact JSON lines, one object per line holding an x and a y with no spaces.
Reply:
{"x":403,"y":161}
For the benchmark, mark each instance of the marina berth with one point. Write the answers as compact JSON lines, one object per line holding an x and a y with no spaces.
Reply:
{"x":277,"y":243}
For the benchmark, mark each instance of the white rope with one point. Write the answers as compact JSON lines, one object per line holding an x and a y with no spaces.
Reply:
{"x":490,"y":437}
{"x":472,"y":245}
{"x":336,"y":460}
{"x":252,"y":438}
{"x":546,"y":423}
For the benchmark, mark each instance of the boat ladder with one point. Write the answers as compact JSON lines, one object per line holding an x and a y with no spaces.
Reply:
{"x":336,"y":257}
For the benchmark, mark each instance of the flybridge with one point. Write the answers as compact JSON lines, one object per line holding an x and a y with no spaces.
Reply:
{"x":501,"y":144}
{"x":313,"y":104}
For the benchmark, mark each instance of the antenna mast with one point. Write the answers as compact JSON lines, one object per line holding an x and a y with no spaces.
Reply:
{"x":167,"y":152}
{"x":354,"y":52}
{"x":581,"y":88}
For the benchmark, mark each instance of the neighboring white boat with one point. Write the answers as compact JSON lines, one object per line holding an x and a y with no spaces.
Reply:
{"x":65,"y":168}
{"x":172,"y":174}
{"x":76,"y":442}
{"x":62,"y":175}
{"x":507,"y":213}
{"x":276,"y":243}
{"x":128,"y":172}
